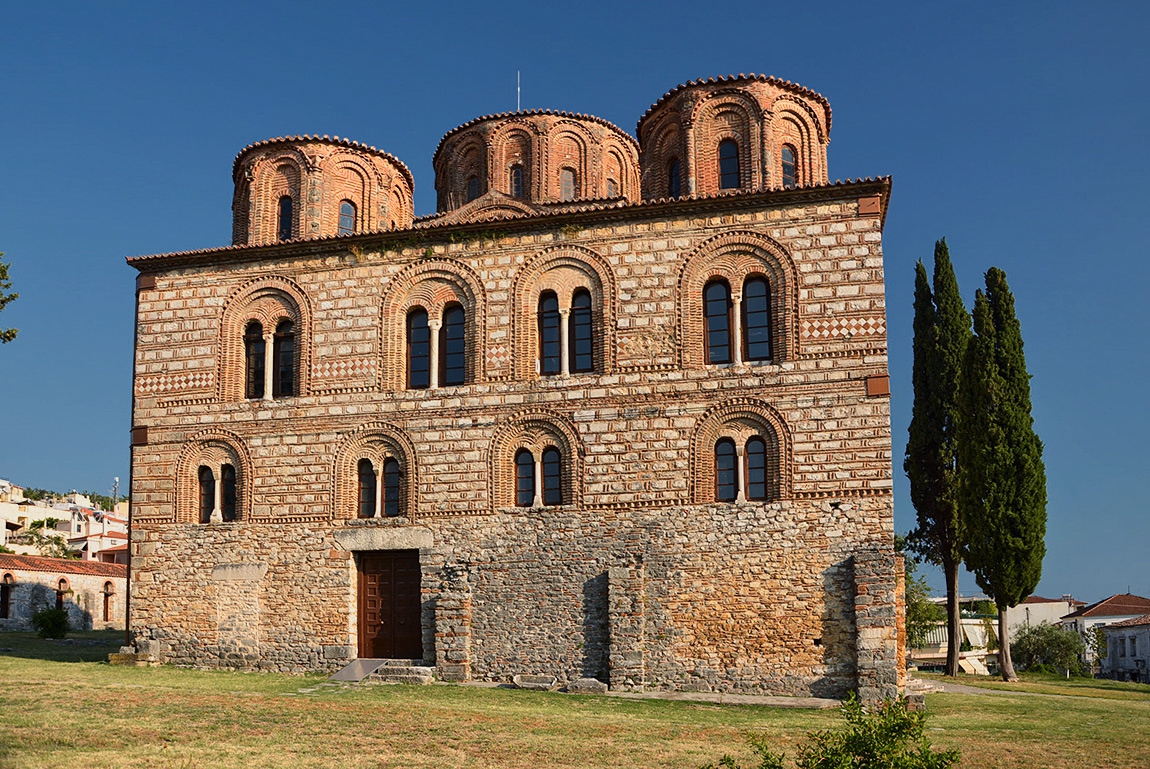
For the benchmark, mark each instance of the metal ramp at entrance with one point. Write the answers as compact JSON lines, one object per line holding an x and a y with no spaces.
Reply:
{"x":358,"y":670}
{"x":386,"y":671}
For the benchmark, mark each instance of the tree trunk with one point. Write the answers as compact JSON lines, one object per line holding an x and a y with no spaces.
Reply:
{"x":1004,"y":664}
{"x":953,"y":618}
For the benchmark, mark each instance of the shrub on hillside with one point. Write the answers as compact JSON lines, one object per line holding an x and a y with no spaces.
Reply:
{"x":51,"y":623}
{"x":1048,"y":649}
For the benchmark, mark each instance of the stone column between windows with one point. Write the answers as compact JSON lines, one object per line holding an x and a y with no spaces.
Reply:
{"x":564,"y":352}
{"x":269,"y":363}
{"x":737,"y":330}
{"x":217,"y":495}
{"x":433,"y":325}
{"x":378,"y":492}
{"x":689,"y":165}
{"x":740,"y":473}
{"x":538,"y":501}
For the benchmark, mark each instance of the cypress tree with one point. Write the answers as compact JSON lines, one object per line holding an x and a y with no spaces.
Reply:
{"x":1003,"y":480}
{"x":941,"y":334}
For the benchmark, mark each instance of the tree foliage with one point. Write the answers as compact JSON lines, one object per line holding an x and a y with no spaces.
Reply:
{"x":42,"y":536}
{"x":922,"y":614}
{"x":6,"y":334}
{"x":1048,"y":649}
{"x":51,"y":623}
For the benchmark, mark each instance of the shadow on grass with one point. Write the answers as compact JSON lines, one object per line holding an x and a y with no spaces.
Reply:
{"x":94,"y":646}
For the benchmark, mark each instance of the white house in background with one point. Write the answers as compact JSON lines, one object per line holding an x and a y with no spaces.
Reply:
{"x":1108,"y":611}
{"x":1037,"y":610}
{"x":1128,"y":650}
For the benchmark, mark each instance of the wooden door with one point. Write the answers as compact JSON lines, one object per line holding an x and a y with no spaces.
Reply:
{"x":389,"y":605}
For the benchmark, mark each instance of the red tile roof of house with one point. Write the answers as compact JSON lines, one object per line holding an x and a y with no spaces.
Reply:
{"x":1115,"y":605}
{"x":1143,"y":620}
{"x":1040,"y":599}
{"x":61,"y":565}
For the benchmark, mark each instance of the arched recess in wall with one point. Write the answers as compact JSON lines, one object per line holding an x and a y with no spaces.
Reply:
{"x":794,"y":122}
{"x":269,"y":300}
{"x":567,"y":147}
{"x":431,"y":284}
{"x":667,"y":146}
{"x":725,"y":115}
{"x":564,"y":270}
{"x":512,"y":144}
{"x":274,"y":176}
{"x":734,"y":257}
{"x":740,"y":420}
{"x":375,"y":442}
{"x":212,"y":449}
{"x":535,"y":431}
{"x":347,"y":177}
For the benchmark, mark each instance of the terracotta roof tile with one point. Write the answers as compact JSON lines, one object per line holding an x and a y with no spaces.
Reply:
{"x":61,"y":565}
{"x":786,"y":85}
{"x":1143,"y":620}
{"x":528,"y":113}
{"x":326,"y":140}
{"x":1123,"y":603}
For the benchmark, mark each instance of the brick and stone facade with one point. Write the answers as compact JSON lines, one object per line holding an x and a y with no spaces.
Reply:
{"x":94,"y":594}
{"x":625,"y":565}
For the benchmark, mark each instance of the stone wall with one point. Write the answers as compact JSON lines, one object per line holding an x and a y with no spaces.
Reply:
{"x":92,"y":593}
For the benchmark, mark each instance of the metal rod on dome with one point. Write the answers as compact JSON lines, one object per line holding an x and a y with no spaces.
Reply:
{"x":516,"y":90}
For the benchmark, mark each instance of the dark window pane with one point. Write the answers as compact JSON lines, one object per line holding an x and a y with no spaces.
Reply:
{"x":756,"y":453}
{"x":674,"y":179}
{"x":549,"y":348}
{"x":756,"y":320}
{"x":254,"y":355}
{"x":612,"y":188}
{"x":283,"y":351}
{"x":366,"y":489}
{"x":790,"y":166}
{"x":346,"y":217}
{"x":285,"y":220}
{"x":418,"y":350}
{"x":391,"y":487}
{"x":516,"y":181}
{"x":728,"y":165}
{"x":452,"y":347}
{"x":717,"y":309}
{"x":524,"y":478}
{"x":581,"y":342}
{"x":567,"y":184}
{"x":552,"y":477}
{"x":726,"y":477}
{"x":207,"y":494}
{"x":228,"y":492}
{"x":472,"y":188}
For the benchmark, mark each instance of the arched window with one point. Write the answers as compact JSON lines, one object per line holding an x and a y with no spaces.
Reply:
{"x":790,"y":167}
{"x":62,"y":590}
{"x":283,"y":351}
{"x":346,"y":217}
{"x":6,"y":587}
{"x":552,"y":476}
{"x":366,"y":489}
{"x":228,"y":492}
{"x":109,"y":591}
{"x":756,"y":466}
{"x":674,"y":179}
{"x":207,"y":493}
{"x":524,"y":478}
{"x":756,"y":319}
{"x":717,"y":311}
{"x":517,"y":186}
{"x":285,"y":220}
{"x":549,"y":352}
{"x":729,"y":165}
{"x":581,"y":343}
{"x":391,"y":487}
{"x":612,"y":188}
{"x":567,"y":188}
{"x":418,"y":350}
{"x":726,"y":474}
{"x":472,"y":188}
{"x":452,"y":347}
{"x":254,"y":354}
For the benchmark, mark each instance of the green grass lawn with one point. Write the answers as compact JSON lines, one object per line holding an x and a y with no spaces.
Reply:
{"x":58,"y":708}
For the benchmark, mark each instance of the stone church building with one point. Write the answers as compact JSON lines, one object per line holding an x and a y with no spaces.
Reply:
{"x":618,"y":410}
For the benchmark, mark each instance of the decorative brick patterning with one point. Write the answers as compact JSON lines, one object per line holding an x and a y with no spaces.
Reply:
{"x":835,"y":328}
{"x":173,"y":383}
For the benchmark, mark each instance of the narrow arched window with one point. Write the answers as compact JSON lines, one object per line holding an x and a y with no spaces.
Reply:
{"x":552,"y":476}
{"x":756,"y":319}
{"x":517,"y":186}
{"x":391,"y":481}
{"x":6,"y":587}
{"x":452,"y":347}
{"x":790,"y":166}
{"x":283,"y":352}
{"x":228,"y":492}
{"x":366,"y":489}
{"x":549,"y":342}
{"x":726,"y":474}
{"x":674,"y":179}
{"x":346,"y":217}
{"x":756,"y":459}
{"x":567,"y":184}
{"x":207,"y":493}
{"x":612,"y":188}
{"x":254,"y":352}
{"x":717,"y":311}
{"x":581,"y":342}
{"x":61,"y":591}
{"x":524,"y":478}
{"x":285,"y":220}
{"x":729,"y":165}
{"x":472,"y":188}
{"x":109,"y":591}
{"x":418,"y":349}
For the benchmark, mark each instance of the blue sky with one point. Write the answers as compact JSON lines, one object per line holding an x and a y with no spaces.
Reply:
{"x":1016,"y":130}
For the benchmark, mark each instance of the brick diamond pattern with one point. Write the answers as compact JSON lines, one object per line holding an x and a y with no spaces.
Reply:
{"x":497,"y":356}
{"x":168,"y":383}
{"x":344,"y":368}
{"x":838,"y":328}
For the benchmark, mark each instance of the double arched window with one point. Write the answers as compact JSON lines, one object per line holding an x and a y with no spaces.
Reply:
{"x":750,"y":338}
{"x":740,"y":478}
{"x":539,"y":482}
{"x":346,"y":217}
{"x":217,"y":493}
{"x":270,"y":368}
{"x":378,"y":496}
{"x":566,"y":337}
{"x":436,"y":348}
{"x":729,"y":178}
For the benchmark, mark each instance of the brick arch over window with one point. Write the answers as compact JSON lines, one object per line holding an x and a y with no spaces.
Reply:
{"x":725,"y":115}
{"x":567,"y":146}
{"x":564,"y":270}
{"x":669,"y":144}
{"x":212,"y":449}
{"x":513,"y":144}
{"x":376,"y":441}
{"x":533,"y":430}
{"x":740,"y":420}
{"x":734,"y":257}
{"x":794,"y":122}
{"x":272,"y":177}
{"x":348,"y":177}
{"x":268,"y":300}
{"x":431,"y":284}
